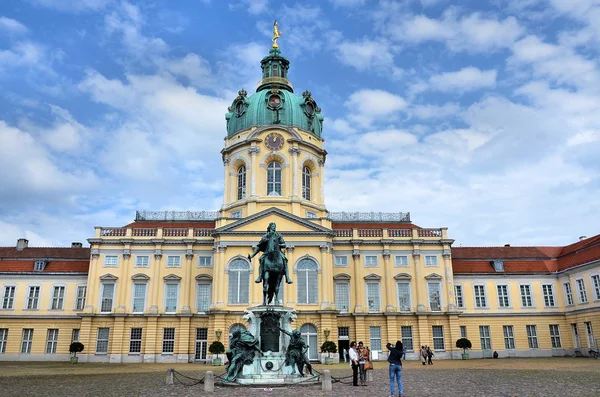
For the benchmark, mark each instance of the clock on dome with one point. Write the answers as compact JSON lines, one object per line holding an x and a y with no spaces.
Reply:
{"x":274,"y":141}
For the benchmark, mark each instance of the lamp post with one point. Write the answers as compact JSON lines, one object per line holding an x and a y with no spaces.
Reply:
{"x":218,"y":333}
{"x":326,"y":331}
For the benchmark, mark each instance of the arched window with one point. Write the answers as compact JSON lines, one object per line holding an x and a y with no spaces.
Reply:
{"x":274,"y":179}
{"x":233,"y":328}
{"x":308,"y":282}
{"x":306,"y":183}
{"x":239,"y":282}
{"x":309,"y":332}
{"x":241,"y":193}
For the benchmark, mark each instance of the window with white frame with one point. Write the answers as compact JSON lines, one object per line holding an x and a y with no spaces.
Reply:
{"x":102,"y":340}
{"x":503,"y":297}
{"x":463,"y":331}
{"x":509,"y":337}
{"x":58,"y":297}
{"x":142,"y":261}
{"x":343,"y":333}
{"x":401,"y":260}
{"x":204,"y":261}
{"x":8,"y":296}
{"x":341,"y":260}
{"x":51,"y":341}
{"x":590,"y":334}
{"x":596,"y":284}
{"x":375,"y":338}
{"x":107,"y":297}
{"x":168,"y":340}
{"x":239,"y":282}
{"x":274,"y":179}
{"x":568,"y":293}
{"x":80,"y":299}
{"x":548,"y":292}
{"x":135,"y":341}
{"x":438,"y":337}
{"x":3,"y":339}
{"x":33,"y":297}
{"x":480,"y":298}
{"x":431,"y":260}
{"x":581,"y":292}
{"x":306,"y":182}
{"x":27,"y":340}
{"x":373,"y":297}
{"x":241,"y":185}
{"x":458,"y":296}
{"x":236,"y":214}
{"x":407,"y":337}
{"x":111,"y":260}
{"x":75,"y":335}
{"x":484,"y":337}
{"x":434,"y":294}
{"x":39,"y":265}
{"x":173,"y":261}
{"x":532,"y":338}
{"x":139,"y":297}
{"x":171,"y":296}
{"x":370,"y":260}
{"x":201,"y":343}
{"x":308,"y":281}
{"x":555,"y":336}
{"x":203,"y":297}
{"x":311,"y":215}
{"x":342,"y":296}
{"x":404,"y":301}
{"x":526,"y":298}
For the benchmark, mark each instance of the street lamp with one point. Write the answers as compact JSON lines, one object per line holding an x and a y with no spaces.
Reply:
{"x":218,"y":333}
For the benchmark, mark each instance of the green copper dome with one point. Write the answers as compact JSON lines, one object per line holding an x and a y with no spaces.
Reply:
{"x":274,"y":102}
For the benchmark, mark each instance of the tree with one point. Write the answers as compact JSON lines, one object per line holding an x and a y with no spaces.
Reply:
{"x":328,"y":347}
{"x":464,"y":343}
{"x":76,"y":347}
{"x":216,"y":348}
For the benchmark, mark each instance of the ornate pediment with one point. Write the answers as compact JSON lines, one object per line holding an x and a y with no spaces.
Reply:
{"x":402,"y":276}
{"x":373,"y":276}
{"x":140,"y":277}
{"x":433,"y":276}
{"x":108,"y":277}
{"x":172,"y":277}
{"x":204,"y":277}
{"x":342,"y":277}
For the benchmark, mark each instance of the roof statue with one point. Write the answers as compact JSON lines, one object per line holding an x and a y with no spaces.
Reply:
{"x":276,"y":34}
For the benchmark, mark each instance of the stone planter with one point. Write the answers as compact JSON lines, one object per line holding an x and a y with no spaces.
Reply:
{"x":328,"y":360}
{"x":217,"y":362}
{"x":74,"y":360}
{"x":465,"y":356}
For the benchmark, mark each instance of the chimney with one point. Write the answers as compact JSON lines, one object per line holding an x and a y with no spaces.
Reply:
{"x":507,"y":245}
{"x":76,"y":245}
{"x":582,"y":238}
{"x":22,"y":244}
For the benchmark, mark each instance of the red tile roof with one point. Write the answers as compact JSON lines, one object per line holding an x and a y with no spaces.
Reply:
{"x":60,"y":259}
{"x":53,"y":266}
{"x":45,"y":252}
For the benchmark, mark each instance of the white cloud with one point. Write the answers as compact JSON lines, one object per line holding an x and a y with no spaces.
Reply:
{"x":347,"y":3}
{"x":466,"y":79}
{"x":365,"y":54}
{"x":22,"y":54}
{"x":12,"y":26}
{"x":73,"y":5}
{"x":428,"y":112}
{"x":370,"y":105}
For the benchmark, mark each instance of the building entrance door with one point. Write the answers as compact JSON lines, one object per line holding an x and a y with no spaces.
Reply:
{"x":576,"y":342}
{"x":344,"y":344}
{"x":201,"y":342}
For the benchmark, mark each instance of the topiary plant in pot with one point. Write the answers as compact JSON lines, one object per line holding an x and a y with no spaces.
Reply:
{"x":75,"y":347}
{"x":216,"y":348}
{"x":465,"y":344}
{"x":328,"y":347}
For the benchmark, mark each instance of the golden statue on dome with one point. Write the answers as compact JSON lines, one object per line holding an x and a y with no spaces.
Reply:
{"x":276,"y":34}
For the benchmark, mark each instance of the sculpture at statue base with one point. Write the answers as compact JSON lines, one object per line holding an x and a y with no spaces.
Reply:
{"x":242,"y":350}
{"x":296,"y":352}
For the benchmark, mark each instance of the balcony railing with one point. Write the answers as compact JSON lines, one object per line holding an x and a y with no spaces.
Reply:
{"x":143,"y":232}
{"x":370,"y":233}
{"x":389,"y":233}
{"x":113,"y":231}
{"x":202,"y":232}
{"x":400,"y":232}
{"x":175,"y":232}
{"x":369,"y":216}
{"x":343,"y":232}
{"x":167,"y":232}
{"x":176,"y":215}
{"x":429,"y":232}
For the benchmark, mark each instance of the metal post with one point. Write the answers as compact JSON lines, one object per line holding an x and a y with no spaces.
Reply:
{"x":209,"y":382}
{"x":170,"y":376}
{"x":326,"y":380}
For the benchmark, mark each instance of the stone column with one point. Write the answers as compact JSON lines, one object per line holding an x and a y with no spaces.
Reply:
{"x":420,"y":288}
{"x":156,"y":282}
{"x":253,"y":151}
{"x":326,"y":278}
{"x":322,"y":176}
{"x":184,"y":342}
{"x":388,"y":272}
{"x":187,"y":285}
{"x":226,"y":181}
{"x":289,"y":289}
{"x":359,"y":290}
{"x":116,"y":339}
{"x":149,"y":335}
{"x":295,"y":152}
{"x":450,"y":299}
{"x":121,"y":306}
{"x":220,"y":294}
{"x":93,"y":286}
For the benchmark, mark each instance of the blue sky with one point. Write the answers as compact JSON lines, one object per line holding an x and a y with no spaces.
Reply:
{"x":483,"y":118}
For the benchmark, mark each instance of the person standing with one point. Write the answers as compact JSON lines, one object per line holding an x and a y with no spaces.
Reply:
{"x":362,"y":360}
{"x":423,"y":355}
{"x":394,"y":358}
{"x":354,"y":363}
{"x":429,"y":355}
{"x":345,"y":355}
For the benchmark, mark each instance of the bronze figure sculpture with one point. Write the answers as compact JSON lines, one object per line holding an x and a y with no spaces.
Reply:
{"x":296,"y":352}
{"x":241,"y":352}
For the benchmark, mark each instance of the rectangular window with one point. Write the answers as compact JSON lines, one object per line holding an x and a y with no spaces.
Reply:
{"x":201,"y":343}
{"x":370,"y":260}
{"x":581,"y":292}
{"x":548,"y":292}
{"x":373,"y":300}
{"x":102,"y":341}
{"x":108,"y":292}
{"x":555,"y":336}
{"x":139,"y":297}
{"x":341,"y":260}
{"x":33,"y":297}
{"x":344,"y":333}
{"x":401,"y":260}
{"x":310,"y":214}
{"x":81,"y":293}
{"x":203,"y":299}
{"x":458,"y":294}
{"x":407,"y":337}
{"x":52,"y":341}
{"x":509,"y":337}
{"x":590,"y":334}
{"x":375,"y":337}
{"x":503,"y":300}
{"x":8,"y":297}
{"x":568,"y":294}
{"x":142,"y":261}
{"x":404,"y":296}
{"x":463,"y":331}
{"x":532,"y":336}
{"x":75,"y":335}
{"x":596,"y":284}
{"x":342,"y":296}
{"x":526,"y":299}
{"x":168,"y":340}
{"x":238,"y":214}
{"x":204,"y":261}
{"x":3,"y":339}
{"x":480,"y":300}
{"x":438,"y":337}
{"x":484,"y":337}
{"x":431,"y":260}
{"x":58,"y":298}
{"x":171,"y":295}
{"x":27,"y":340}
{"x":111,"y":260}
{"x":435,"y":301}
{"x":173,"y":261}
{"x":135,"y":341}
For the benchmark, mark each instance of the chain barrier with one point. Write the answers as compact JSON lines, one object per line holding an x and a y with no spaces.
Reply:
{"x":176,"y":375}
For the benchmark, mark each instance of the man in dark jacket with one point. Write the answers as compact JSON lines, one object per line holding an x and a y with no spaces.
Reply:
{"x":395,"y":361}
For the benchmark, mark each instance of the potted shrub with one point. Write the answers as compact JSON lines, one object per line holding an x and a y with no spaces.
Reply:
{"x":75,"y":347}
{"x":465,"y":344}
{"x":216,"y":348}
{"x":328,"y":347}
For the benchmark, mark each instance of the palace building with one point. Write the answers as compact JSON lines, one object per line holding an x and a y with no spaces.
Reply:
{"x":163,"y":287}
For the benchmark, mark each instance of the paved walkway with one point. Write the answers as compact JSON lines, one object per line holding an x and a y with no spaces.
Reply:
{"x":541,"y":377}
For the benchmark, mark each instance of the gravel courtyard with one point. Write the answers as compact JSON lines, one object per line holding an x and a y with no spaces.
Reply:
{"x":508,"y":377}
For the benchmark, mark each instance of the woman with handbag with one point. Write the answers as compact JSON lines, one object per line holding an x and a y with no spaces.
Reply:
{"x":363,"y":358}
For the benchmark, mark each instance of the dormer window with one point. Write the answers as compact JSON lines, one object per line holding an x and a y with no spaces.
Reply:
{"x":39,"y":265}
{"x":498,"y":265}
